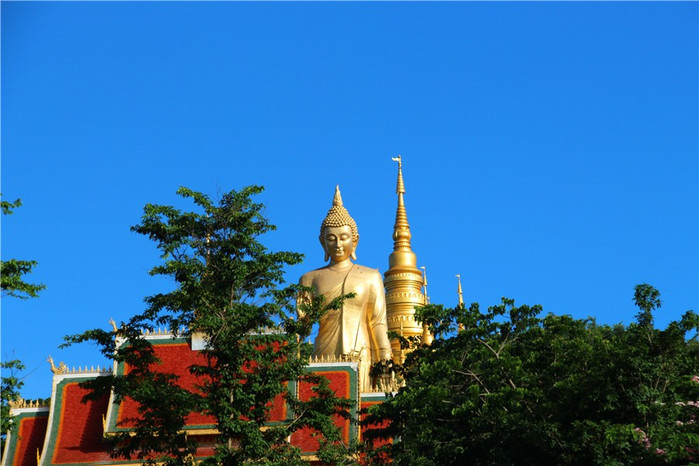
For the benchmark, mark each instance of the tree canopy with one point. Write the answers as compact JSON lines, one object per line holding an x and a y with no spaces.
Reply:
{"x":230,"y":290}
{"x":513,"y":387}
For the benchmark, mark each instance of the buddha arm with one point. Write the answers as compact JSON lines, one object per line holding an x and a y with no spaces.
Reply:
{"x":303,"y":297}
{"x":377,"y":320}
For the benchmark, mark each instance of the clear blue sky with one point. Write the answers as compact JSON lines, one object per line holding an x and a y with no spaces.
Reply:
{"x":550,"y":149}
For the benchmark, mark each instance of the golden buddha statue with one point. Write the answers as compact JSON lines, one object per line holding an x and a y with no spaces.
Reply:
{"x":357,"y":330}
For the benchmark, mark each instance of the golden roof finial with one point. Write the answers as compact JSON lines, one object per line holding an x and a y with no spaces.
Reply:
{"x":17,"y":402}
{"x":61,"y":369}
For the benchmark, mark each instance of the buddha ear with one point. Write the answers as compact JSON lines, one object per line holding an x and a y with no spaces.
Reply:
{"x":325,"y":251}
{"x":353,"y":254}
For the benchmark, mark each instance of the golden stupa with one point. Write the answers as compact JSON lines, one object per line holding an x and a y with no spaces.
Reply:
{"x":403,"y":280}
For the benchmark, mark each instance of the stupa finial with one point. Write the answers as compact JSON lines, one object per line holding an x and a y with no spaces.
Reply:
{"x":400,"y":186}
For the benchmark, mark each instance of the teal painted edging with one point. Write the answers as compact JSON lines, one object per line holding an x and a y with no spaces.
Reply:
{"x":373,"y":397}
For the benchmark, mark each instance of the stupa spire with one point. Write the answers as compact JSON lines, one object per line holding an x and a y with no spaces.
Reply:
{"x":403,"y":255}
{"x":403,"y":280}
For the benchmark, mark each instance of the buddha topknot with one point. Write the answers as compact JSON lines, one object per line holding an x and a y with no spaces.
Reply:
{"x":338,"y":217}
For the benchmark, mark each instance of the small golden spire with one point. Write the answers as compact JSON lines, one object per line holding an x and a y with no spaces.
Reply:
{"x":461,"y":294}
{"x":461,"y":300}
{"x":427,"y":337}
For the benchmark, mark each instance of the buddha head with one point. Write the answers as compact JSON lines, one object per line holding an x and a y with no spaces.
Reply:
{"x":338,"y":232}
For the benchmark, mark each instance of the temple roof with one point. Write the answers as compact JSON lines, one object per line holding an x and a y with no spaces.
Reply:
{"x":23,"y":445}
{"x":74,"y":433}
{"x":71,"y":430}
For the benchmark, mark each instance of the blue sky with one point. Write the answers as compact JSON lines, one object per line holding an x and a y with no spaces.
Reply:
{"x":550,"y":149}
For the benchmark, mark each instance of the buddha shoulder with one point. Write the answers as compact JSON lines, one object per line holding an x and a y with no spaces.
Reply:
{"x":359,"y":272}
{"x":366,"y":273}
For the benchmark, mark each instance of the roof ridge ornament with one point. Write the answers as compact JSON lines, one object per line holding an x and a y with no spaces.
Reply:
{"x":21,"y":403}
{"x":61,"y":369}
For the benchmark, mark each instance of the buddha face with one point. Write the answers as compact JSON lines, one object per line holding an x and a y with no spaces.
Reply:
{"x":337,"y":242}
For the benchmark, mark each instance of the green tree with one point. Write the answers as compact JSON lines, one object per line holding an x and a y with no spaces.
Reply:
{"x":10,"y":386}
{"x":12,"y":271}
{"x":12,"y":282}
{"x":229,"y":288}
{"x":514,"y":388}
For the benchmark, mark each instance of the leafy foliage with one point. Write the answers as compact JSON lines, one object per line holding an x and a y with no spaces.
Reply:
{"x":514,"y":388}
{"x":228,"y":289}
{"x":12,"y":271}
{"x":13,"y":285}
{"x":9,"y":391}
